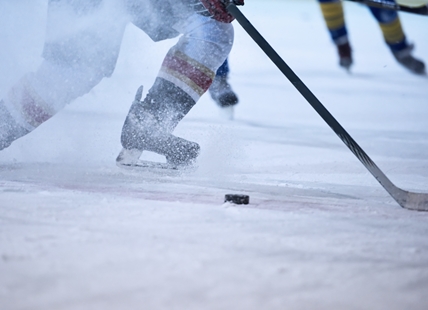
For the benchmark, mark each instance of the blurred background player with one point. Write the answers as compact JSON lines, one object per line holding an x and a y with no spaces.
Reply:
{"x":221,"y":91}
{"x":390,"y":25}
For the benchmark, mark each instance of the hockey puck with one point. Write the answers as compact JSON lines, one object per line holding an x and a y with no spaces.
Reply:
{"x":237,"y":199}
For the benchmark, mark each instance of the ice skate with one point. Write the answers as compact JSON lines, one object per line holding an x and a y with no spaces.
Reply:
{"x":149,"y":126}
{"x":345,"y":55}
{"x":221,"y":92}
{"x":405,"y":58}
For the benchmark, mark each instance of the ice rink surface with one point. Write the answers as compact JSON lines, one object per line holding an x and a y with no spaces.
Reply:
{"x":76,"y":232}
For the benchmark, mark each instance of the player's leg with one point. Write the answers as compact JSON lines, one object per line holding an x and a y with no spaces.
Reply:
{"x":81,"y":48}
{"x":395,"y":38}
{"x":332,"y":11}
{"x":185,"y":75}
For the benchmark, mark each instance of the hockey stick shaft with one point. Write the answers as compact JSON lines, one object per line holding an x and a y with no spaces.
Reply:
{"x":414,"y":201}
{"x":382,"y":4}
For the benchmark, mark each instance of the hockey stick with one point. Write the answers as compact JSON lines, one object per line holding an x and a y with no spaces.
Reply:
{"x":408,"y":200}
{"x":382,"y":4}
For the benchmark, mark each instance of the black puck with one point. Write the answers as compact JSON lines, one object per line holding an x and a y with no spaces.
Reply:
{"x":237,"y":199}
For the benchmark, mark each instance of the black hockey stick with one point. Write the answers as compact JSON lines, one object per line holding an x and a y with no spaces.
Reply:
{"x":408,"y":200}
{"x":420,"y":10}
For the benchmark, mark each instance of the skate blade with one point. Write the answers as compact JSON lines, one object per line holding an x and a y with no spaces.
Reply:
{"x":129,"y":159}
{"x":158,"y":169}
{"x":146,"y":164}
{"x":227,"y":113}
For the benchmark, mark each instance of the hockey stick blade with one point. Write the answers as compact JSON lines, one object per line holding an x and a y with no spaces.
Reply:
{"x":406,"y":199}
{"x":382,"y":4}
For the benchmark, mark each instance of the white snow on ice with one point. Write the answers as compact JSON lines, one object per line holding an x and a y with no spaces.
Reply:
{"x":76,"y":232}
